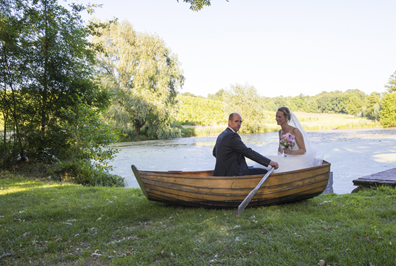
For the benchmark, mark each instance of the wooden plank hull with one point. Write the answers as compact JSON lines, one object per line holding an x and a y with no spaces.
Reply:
{"x":201,"y":189}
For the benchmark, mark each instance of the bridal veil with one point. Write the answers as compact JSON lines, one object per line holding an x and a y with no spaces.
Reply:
{"x":312,"y":155}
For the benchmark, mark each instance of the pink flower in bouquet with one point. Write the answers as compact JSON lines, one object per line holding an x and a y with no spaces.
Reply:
{"x":287,"y":141}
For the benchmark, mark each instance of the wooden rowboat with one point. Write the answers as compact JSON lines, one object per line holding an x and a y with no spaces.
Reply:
{"x":201,"y":189}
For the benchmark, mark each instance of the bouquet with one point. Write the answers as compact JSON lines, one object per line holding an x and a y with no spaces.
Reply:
{"x":287,"y":141}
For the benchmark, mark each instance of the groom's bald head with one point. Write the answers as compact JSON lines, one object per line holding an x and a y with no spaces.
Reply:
{"x":235,"y":121}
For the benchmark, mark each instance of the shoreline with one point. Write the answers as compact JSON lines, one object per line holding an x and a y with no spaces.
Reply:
{"x":208,"y":131}
{"x":352,"y":154}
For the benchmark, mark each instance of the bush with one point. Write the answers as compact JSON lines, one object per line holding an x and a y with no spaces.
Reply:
{"x":9,"y":154}
{"x":88,"y":174}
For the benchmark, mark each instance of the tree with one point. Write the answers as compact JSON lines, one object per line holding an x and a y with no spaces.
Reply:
{"x":311,"y":104}
{"x":143,"y":76}
{"x":391,"y":83}
{"x":197,"y":5}
{"x":280,"y":101}
{"x":243,"y":99}
{"x":46,"y":65}
{"x":358,"y":93}
{"x":354,"y":105}
{"x":388,"y":111}
{"x":372,"y":106}
{"x":189,"y":94}
{"x":218,"y":96}
{"x":88,"y":136}
{"x":376,"y":112}
{"x":299,"y":103}
{"x":268,"y":103}
{"x":10,"y":75}
{"x":333,"y":102}
{"x":324,"y":102}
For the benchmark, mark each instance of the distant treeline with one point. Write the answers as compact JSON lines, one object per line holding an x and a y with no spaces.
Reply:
{"x":198,"y":110}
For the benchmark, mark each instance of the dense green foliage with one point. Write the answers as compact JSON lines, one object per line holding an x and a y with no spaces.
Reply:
{"x":49,"y":223}
{"x":218,"y":96}
{"x":143,"y":76}
{"x":87,"y":162}
{"x":200,"y":111}
{"x":372,"y":106}
{"x":50,"y":100}
{"x":243,"y":99}
{"x":336,"y":102}
{"x":388,"y":112}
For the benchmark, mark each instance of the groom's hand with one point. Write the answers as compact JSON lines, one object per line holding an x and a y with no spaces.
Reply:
{"x":274,"y":164}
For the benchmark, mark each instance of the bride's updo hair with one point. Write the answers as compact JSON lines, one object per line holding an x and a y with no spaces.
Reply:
{"x":285,"y":111}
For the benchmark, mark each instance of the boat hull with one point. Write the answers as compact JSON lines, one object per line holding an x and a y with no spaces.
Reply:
{"x":201,"y":189}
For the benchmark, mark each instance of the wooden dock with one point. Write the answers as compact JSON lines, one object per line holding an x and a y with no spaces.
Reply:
{"x":387,"y":178}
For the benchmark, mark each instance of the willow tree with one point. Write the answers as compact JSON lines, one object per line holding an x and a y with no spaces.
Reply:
{"x":243,"y":99}
{"x":143,"y":75}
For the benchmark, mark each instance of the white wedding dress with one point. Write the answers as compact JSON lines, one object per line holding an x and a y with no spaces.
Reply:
{"x":294,"y":162}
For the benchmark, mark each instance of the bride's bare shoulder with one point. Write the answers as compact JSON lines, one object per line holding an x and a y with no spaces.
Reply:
{"x":295,"y":131}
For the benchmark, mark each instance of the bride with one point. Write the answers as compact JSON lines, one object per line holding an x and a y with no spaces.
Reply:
{"x":292,"y":130}
{"x":295,"y":150}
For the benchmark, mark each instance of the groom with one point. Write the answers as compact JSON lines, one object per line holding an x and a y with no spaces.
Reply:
{"x":230,"y":152}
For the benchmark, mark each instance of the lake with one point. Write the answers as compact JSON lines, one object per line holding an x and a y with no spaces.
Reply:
{"x":352,"y":153}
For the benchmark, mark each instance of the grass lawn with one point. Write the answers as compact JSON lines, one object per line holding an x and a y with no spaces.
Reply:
{"x":51,"y":223}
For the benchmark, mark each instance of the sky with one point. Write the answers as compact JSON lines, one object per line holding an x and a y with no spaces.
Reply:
{"x":280,"y":47}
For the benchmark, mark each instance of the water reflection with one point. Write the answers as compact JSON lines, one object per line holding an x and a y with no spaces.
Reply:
{"x":352,"y":153}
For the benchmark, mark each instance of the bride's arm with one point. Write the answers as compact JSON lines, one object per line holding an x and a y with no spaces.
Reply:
{"x":300,"y":143}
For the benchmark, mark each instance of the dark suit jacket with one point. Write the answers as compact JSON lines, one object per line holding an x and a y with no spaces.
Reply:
{"x":230,"y":153}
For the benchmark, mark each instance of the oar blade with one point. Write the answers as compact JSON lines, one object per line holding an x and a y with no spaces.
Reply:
{"x":250,"y":196}
{"x":245,"y":202}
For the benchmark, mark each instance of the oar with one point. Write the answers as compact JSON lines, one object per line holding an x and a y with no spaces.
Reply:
{"x":249,"y":197}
